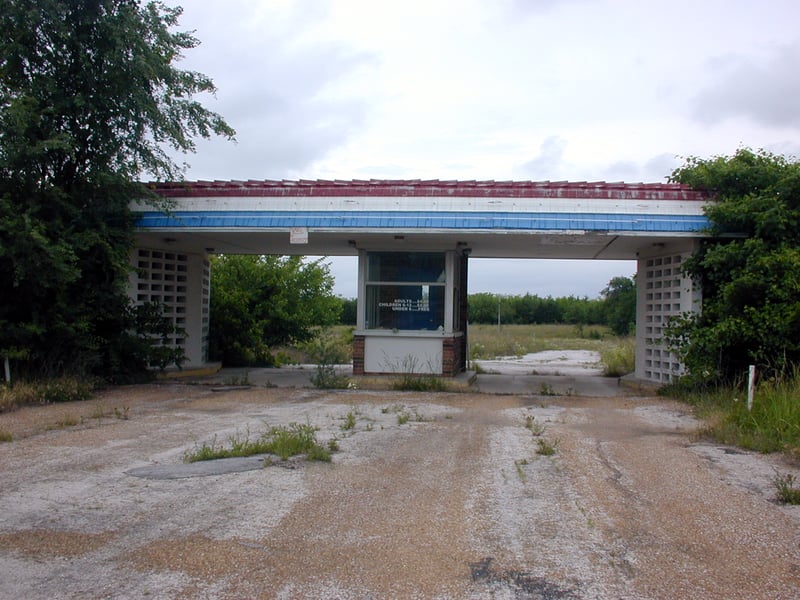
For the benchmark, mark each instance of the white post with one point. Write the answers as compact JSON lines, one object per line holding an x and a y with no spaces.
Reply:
{"x":8,"y":370}
{"x":751,"y":382}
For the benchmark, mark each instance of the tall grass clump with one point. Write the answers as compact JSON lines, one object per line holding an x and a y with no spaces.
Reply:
{"x":46,"y":391}
{"x":772,"y":425}
{"x":618,"y":357}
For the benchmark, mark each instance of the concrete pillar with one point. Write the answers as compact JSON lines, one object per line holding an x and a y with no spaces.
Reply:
{"x":662,"y":292}
{"x":180,"y":283}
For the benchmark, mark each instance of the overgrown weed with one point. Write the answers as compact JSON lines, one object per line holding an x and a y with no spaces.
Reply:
{"x":773,"y":424}
{"x":46,"y":391}
{"x":786,"y":490}
{"x":283,"y":441}
{"x":618,"y":357}
{"x":546,"y":448}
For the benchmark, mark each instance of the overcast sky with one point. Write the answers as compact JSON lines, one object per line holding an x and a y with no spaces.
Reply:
{"x":612,"y":90}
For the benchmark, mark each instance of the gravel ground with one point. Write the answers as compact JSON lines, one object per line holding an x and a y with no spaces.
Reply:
{"x":455,"y":503}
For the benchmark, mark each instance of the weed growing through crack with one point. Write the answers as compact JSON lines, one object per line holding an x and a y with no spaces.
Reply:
{"x":404,"y":415}
{"x":547,"y":390}
{"x":63,"y":423}
{"x":535,"y":427}
{"x":5,"y":436}
{"x":283,"y":441}
{"x":349,"y":421}
{"x":545,"y":448}
{"x":520,"y":471}
{"x":786,"y":492}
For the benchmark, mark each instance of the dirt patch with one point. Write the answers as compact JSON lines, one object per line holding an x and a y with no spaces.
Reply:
{"x":453,"y":502}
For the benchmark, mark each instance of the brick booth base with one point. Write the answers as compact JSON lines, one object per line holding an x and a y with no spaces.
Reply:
{"x":452,"y":354}
{"x":358,"y":355}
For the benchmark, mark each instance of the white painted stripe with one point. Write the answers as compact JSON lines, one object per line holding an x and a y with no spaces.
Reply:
{"x":437,"y":204}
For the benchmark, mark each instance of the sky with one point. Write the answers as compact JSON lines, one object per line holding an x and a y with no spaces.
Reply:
{"x":579,"y":90}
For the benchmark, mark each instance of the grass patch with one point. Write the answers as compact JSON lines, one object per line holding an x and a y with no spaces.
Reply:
{"x":5,"y":436}
{"x":63,"y":423}
{"x":283,"y":441}
{"x":47,"y":391}
{"x":419,"y":383}
{"x":618,"y":356}
{"x":773,"y":425}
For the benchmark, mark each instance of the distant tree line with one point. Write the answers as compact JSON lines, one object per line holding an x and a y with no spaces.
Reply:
{"x":616,"y":308}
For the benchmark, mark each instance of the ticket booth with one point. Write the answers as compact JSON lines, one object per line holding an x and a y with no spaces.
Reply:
{"x":411,"y":312}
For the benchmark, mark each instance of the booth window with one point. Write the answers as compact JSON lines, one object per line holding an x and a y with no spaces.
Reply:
{"x":405,"y":290}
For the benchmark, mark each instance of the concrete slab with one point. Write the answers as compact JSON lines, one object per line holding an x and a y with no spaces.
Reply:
{"x":222,"y":466}
{"x":551,"y":385}
{"x":299,"y":376}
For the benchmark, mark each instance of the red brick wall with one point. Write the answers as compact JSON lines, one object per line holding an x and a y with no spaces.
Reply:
{"x":451,"y":356}
{"x":358,"y":355}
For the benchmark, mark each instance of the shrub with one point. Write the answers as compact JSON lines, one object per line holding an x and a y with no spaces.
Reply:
{"x":619,"y":358}
{"x":327,"y":350}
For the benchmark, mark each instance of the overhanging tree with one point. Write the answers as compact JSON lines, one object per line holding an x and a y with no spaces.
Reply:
{"x":749,"y":270}
{"x":90,"y":101}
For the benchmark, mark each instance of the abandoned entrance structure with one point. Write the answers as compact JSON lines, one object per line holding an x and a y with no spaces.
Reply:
{"x":413,"y":240}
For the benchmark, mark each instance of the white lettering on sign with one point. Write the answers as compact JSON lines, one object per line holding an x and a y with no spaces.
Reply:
{"x":406,"y":305}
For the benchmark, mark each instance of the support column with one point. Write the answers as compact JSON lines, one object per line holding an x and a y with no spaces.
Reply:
{"x":180,"y":283}
{"x":662,"y":292}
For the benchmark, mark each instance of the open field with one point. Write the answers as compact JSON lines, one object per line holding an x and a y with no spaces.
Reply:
{"x":429,"y":496}
{"x":491,"y":341}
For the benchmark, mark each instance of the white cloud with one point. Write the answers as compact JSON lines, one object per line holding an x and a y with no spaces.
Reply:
{"x":763,"y":91}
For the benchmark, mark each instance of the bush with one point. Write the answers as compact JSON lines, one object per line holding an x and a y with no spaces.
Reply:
{"x":326,"y":350}
{"x":619,"y":358}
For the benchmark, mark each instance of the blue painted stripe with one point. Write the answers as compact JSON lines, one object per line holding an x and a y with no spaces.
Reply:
{"x":423,"y":220}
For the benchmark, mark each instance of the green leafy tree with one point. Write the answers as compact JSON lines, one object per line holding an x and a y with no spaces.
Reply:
{"x":260,"y":302}
{"x":349,"y":314}
{"x":89,"y":102}
{"x":619,"y":305}
{"x":749,"y":270}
